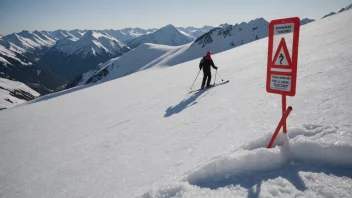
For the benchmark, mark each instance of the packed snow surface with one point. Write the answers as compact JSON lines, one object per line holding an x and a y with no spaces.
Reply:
{"x":143,"y":135}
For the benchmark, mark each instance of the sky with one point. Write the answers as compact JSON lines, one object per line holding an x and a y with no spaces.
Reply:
{"x":18,"y":15}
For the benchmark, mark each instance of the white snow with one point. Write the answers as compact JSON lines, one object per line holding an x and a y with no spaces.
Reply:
{"x":5,"y":53}
{"x":194,"y":31}
{"x":168,"y":35}
{"x":134,"y":61}
{"x":21,"y":42}
{"x":61,"y":34}
{"x":92,"y":43}
{"x":143,"y":136}
{"x":5,"y":97}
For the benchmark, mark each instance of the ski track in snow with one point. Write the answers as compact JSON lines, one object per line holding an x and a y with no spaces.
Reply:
{"x":143,"y":136}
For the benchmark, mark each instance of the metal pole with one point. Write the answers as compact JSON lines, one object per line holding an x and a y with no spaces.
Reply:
{"x":220,"y":76}
{"x":195,"y":80}
{"x":215,"y":76}
{"x":284,"y":128}
{"x":283,"y":119}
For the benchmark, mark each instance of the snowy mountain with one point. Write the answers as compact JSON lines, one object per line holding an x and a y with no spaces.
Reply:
{"x":18,"y":67}
{"x":61,"y":34}
{"x":233,"y":35}
{"x":13,"y":93}
{"x":144,"y":136}
{"x":143,"y":57}
{"x":342,"y":10}
{"x":224,"y":25}
{"x":71,"y":56}
{"x":77,"y":33}
{"x":26,"y":42}
{"x":168,"y":35}
{"x":306,"y":21}
{"x":346,"y":8}
{"x":195,"y":32}
{"x":217,"y":40}
{"x":127,"y":34}
{"x":330,"y":14}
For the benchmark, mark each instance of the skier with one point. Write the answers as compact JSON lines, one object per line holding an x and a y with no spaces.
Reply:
{"x":205,"y":63}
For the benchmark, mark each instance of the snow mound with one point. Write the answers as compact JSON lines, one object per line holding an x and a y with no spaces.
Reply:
{"x":311,"y":160}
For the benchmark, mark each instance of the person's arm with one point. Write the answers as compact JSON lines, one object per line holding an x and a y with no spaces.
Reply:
{"x":213,"y":65}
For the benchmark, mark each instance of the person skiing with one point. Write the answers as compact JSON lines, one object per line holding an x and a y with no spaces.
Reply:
{"x":205,"y":64}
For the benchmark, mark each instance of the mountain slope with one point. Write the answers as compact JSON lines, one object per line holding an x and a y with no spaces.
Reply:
{"x":71,"y":56}
{"x":195,"y":32}
{"x":17,"y":67}
{"x":330,"y":14}
{"x":61,"y":34}
{"x":13,"y":93}
{"x":236,"y":35}
{"x":144,"y":136}
{"x":143,"y":57}
{"x":167,"y":35}
{"x":306,"y":21}
{"x":127,"y":34}
{"x":217,"y":40}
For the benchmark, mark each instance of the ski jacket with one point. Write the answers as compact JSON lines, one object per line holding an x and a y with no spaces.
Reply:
{"x":206,"y":62}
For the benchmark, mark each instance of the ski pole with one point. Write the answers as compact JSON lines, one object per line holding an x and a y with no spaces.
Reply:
{"x":215,"y":76}
{"x":220,"y":76}
{"x":195,"y":80}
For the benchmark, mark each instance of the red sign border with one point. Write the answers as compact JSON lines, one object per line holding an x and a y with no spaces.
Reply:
{"x":294,"y":60}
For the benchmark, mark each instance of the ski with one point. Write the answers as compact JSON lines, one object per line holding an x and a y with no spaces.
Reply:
{"x":217,"y":84}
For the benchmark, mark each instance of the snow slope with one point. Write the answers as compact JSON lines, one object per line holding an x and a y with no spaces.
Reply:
{"x":143,"y":57}
{"x":144,"y":136}
{"x":6,"y":54}
{"x":127,"y":34}
{"x":168,"y":35}
{"x":306,"y":21}
{"x":13,"y":93}
{"x":194,"y":31}
{"x":217,"y":40}
{"x":70,"y":56}
{"x":60,"y":34}
{"x":93,"y":43}
{"x":330,"y":14}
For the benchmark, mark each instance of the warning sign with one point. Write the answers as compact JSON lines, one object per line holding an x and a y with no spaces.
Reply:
{"x":278,"y":82}
{"x":283,"y":28}
{"x":282,"y":56}
{"x":282,"y":61}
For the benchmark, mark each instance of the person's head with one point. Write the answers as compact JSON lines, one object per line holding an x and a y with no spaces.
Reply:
{"x":208,"y":53}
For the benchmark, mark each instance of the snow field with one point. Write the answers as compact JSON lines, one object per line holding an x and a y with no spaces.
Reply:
{"x":143,"y":135}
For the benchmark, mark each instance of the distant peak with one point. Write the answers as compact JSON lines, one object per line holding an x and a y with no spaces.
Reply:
{"x":92,"y":34}
{"x":169,"y":27}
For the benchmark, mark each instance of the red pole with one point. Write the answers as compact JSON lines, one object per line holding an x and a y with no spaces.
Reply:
{"x":283,"y":112}
{"x":283,"y":119}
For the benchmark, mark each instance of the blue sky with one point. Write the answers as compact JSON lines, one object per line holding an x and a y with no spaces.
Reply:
{"x":18,"y":15}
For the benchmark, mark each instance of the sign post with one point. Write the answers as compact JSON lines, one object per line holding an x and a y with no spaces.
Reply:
{"x":282,"y":59}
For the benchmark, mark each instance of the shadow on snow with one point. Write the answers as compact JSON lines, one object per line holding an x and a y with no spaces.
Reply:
{"x":252,"y":181}
{"x":188,"y":102}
